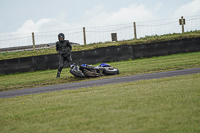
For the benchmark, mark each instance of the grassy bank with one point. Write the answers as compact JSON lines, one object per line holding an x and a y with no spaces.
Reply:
{"x":160,"y":105}
{"x":147,"y":39}
{"x":130,"y":67}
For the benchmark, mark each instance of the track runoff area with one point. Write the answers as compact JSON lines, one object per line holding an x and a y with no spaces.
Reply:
{"x":101,"y":82}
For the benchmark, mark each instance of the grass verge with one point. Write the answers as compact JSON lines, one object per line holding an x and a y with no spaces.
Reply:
{"x":159,"y":105}
{"x":147,"y":39}
{"x":127,"y":68}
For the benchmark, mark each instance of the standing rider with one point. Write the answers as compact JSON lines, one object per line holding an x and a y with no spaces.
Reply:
{"x":63,"y":47}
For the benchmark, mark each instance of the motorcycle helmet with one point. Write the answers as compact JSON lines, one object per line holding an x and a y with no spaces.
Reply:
{"x":61,"y":37}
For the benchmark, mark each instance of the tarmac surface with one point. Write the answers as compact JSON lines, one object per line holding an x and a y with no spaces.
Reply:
{"x":100,"y":82}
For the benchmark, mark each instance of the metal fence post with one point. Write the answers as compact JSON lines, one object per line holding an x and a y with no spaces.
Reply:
{"x":33,"y":41}
{"x":135,"y":34}
{"x":84,"y":37}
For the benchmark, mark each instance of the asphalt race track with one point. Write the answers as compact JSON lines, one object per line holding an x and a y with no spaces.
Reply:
{"x":101,"y":82}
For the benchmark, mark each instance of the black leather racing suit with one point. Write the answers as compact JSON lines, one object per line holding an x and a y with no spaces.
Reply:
{"x":64,"y":50}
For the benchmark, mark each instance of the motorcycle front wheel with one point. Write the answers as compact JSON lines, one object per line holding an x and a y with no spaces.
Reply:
{"x":77,"y":73}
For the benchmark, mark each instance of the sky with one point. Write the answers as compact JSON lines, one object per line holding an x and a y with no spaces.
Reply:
{"x":25,"y":16}
{"x":47,"y":18}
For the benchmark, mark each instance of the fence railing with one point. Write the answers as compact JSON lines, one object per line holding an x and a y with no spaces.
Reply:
{"x":103,"y":33}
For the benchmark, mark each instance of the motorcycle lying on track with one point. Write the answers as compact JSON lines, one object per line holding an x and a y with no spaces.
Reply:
{"x":85,"y":70}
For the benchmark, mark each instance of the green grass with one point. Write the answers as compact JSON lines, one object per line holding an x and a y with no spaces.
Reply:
{"x":147,"y":39}
{"x":126,"y":68}
{"x":167,"y":105}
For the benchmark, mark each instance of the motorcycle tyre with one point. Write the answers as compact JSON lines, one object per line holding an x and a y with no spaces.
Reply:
{"x":77,"y":74}
{"x":111,"y":72}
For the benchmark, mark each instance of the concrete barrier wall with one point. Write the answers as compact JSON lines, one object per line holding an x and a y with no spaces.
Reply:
{"x":99,"y":55}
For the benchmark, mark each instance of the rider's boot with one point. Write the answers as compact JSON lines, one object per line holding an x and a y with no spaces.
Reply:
{"x":58,"y":74}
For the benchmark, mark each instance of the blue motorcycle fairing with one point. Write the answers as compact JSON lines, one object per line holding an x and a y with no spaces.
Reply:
{"x":101,"y":65}
{"x":84,"y":65}
{"x":104,"y":65}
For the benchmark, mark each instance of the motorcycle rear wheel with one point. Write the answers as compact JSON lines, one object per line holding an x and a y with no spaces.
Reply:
{"x":111,"y":72}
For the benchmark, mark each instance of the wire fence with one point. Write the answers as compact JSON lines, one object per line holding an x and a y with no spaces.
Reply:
{"x":167,"y":26}
{"x":103,"y":33}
